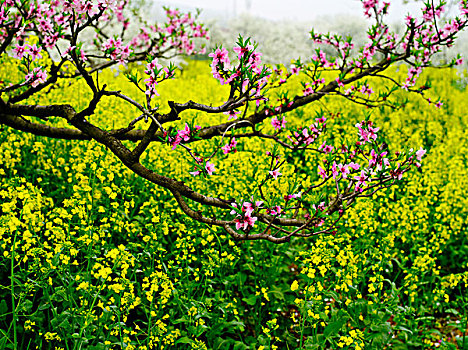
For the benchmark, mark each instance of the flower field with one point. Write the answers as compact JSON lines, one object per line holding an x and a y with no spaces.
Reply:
{"x":95,"y":257}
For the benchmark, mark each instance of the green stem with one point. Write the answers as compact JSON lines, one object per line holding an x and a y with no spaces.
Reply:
{"x":88,"y":313}
{"x":465,"y":317}
{"x":304,"y":317}
{"x":12,"y":277}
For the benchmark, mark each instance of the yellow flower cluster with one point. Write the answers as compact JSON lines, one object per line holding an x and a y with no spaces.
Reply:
{"x":116,"y":253}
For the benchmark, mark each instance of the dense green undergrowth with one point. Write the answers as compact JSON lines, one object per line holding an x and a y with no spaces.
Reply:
{"x":93,"y":257}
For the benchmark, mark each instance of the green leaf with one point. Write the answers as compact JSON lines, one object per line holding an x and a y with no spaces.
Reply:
{"x":25,"y":306}
{"x":44,"y":307}
{"x":404,"y":329}
{"x":378,"y":340}
{"x":333,"y":328}
{"x":252,"y":300}
{"x":239,"y":346}
{"x":3,"y":341}
{"x":3,"y":307}
{"x":184,"y":340}
{"x":181,"y":320}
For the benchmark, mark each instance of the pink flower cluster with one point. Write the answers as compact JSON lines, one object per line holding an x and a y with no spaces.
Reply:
{"x":116,"y":50}
{"x":73,"y":48}
{"x":275,"y":173}
{"x":308,"y":135}
{"x":232,"y":114}
{"x":295,"y":69}
{"x":366,"y":131}
{"x":326,"y":148}
{"x":184,"y":134}
{"x":430,"y":12}
{"x":36,"y":76}
{"x":366,"y":90}
{"x":157,"y":73}
{"x":275,"y":210}
{"x":370,"y":5}
{"x":249,"y":76}
{"x":230,"y":147}
{"x":338,"y":170}
{"x":320,"y":59}
{"x":310,"y":87}
{"x":289,"y":197}
{"x":178,"y":33}
{"x":30,"y":51}
{"x":419,"y":154}
{"x":281,"y":108}
{"x":182,"y":27}
{"x":63,"y":19}
{"x":378,"y":162}
{"x":220,"y":65}
{"x":413,"y":74}
{"x":424,"y":38}
{"x":245,"y":220}
{"x":277,"y":123}
{"x":209,"y":167}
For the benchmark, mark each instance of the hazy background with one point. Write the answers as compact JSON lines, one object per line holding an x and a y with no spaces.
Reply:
{"x":281,"y":28}
{"x":294,"y":10}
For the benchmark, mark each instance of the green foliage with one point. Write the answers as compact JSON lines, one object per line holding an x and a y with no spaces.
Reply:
{"x":94,"y":257}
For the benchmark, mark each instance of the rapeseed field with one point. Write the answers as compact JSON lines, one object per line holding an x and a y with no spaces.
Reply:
{"x":94,"y":257}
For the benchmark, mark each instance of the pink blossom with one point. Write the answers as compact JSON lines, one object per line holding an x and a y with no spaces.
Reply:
{"x":326,"y":148}
{"x":319,"y":207}
{"x":241,"y":51}
{"x":230,"y":147}
{"x":334,"y":170}
{"x":36,"y":76}
{"x":248,"y":208}
{"x":220,"y":55}
{"x":322,"y":172}
{"x":366,"y":90}
{"x":184,"y":134}
{"x":397,"y":173}
{"x":19,"y":51}
{"x":307,"y":90}
{"x":361,"y":180}
{"x":68,"y":50}
{"x":373,"y":158}
{"x":368,"y":6}
{"x":34,"y":51}
{"x":233,"y":211}
{"x":275,"y":173}
{"x":373,"y":132}
{"x":292,"y":196}
{"x":344,"y":169}
{"x":295,"y":70}
{"x":420,"y":153}
{"x":210,"y":168}
{"x":232,"y":114}
{"x":276,"y":210}
{"x":245,"y":222}
{"x":278,"y":124}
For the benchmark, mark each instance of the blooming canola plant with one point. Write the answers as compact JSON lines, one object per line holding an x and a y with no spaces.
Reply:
{"x":46,"y":39}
